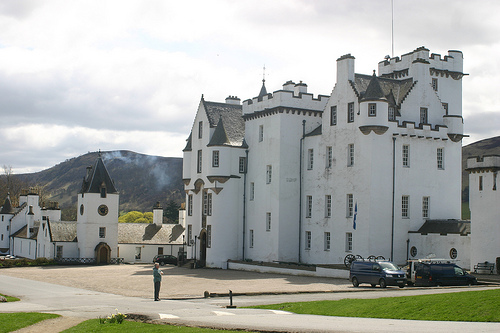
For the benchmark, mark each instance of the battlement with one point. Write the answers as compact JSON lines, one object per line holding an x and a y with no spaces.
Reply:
{"x":453,"y":62}
{"x":298,"y":97}
{"x":486,"y":162}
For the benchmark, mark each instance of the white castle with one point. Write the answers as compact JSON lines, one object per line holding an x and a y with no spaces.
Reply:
{"x":374,"y":169}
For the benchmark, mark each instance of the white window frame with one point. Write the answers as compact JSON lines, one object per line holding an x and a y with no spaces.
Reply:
{"x":328,"y":205}
{"x":435,"y":84}
{"x":406,"y":155}
{"x":310,"y":159}
{"x":440,"y":158}
{"x":391,"y":113}
{"x":199,"y":161}
{"x":189,"y":234}
{"x":261,"y":133}
{"x":242,"y":165}
{"x":102,"y":232}
{"x":349,"y":205}
{"x":350,"y":112}
{"x":215,"y":159}
{"x":329,"y":156}
{"x":333,"y":115}
{"x":308,"y":241}
{"x":350,"y":154}
{"x":252,"y":191}
{"x":251,"y":240}
{"x":190,"y":205}
{"x":372,"y":109}
{"x":405,"y":206}
{"x":309,"y":203}
{"x":327,"y":238}
{"x":268,"y":221}
{"x":205,"y":202}
{"x":348,"y":242}
{"x":209,"y":235}
{"x":269,"y":173}
{"x":425,"y":207}
{"x":424,"y":115}
{"x":200,"y":129}
{"x":209,"y":204}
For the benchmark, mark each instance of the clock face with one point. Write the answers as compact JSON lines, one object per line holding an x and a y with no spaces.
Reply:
{"x":81,"y":209}
{"x":103,"y":210}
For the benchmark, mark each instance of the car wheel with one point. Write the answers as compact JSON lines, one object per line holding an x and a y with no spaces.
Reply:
{"x":355,"y":282}
{"x":401,"y":286}
{"x":382,"y":283}
{"x":162,"y":263}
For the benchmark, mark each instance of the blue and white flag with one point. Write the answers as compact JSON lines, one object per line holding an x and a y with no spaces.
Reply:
{"x":355,"y":214}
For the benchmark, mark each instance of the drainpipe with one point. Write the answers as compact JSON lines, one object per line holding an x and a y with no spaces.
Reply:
{"x":393,"y":193}
{"x":300,"y":185}
{"x":245,"y":202}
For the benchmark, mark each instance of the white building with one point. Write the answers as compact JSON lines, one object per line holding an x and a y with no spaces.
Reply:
{"x":33,"y":231}
{"x":372,"y":169}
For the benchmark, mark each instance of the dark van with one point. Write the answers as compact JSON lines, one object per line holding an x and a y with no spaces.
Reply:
{"x":432,"y":274}
{"x":383,"y":273}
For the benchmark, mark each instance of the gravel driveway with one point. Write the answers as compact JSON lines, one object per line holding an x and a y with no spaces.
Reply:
{"x":178,"y":282}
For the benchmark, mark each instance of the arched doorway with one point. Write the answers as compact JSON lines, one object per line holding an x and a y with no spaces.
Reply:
{"x":102,"y":254}
{"x":203,"y":248}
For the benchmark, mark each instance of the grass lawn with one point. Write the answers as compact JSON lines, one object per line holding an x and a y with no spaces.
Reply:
{"x":14,"y":321}
{"x":10,"y":298}
{"x":93,"y":325}
{"x":476,"y":306}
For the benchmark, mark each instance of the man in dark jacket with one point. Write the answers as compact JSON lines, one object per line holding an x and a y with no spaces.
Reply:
{"x":157,"y":280}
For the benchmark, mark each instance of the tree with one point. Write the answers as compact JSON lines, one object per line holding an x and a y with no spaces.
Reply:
{"x":172,"y":212}
{"x":136,"y":217}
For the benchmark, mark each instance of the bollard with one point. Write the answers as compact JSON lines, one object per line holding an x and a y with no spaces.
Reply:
{"x":231,"y":306}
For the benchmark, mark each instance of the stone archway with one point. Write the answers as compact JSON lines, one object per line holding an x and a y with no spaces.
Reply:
{"x":102,"y":254}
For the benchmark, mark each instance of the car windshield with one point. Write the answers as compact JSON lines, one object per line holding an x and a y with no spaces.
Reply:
{"x":388,"y":266}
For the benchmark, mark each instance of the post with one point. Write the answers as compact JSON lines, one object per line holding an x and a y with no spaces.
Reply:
{"x":231,"y":306}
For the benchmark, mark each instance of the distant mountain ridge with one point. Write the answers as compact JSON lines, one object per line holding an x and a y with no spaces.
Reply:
{"x":141,"y":179}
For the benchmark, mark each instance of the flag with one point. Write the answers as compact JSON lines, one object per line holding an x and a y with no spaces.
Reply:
{"x":355,"y":214}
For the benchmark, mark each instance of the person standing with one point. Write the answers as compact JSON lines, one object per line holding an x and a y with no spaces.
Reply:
{"x":157,"y":273}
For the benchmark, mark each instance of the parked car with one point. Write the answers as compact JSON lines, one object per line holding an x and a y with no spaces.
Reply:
{"x":441,"y":274}
{"x":165,"y":259}
{"x":383,"y":273}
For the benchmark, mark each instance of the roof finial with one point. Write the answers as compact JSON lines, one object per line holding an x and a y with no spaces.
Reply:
{"x":264,"y":74}
{"x":263,"y":90}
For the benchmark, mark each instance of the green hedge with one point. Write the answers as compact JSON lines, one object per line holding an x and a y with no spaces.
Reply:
{"x":23,"y":262}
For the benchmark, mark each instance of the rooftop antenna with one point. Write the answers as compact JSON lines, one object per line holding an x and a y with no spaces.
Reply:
{"x":392,"y":27}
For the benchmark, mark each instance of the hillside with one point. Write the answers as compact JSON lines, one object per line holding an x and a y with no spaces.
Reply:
{"x":142,"y":180}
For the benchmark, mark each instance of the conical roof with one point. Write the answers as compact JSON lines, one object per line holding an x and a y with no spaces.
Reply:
{"x":263,"y":90}
{"x":374,"y":91}
{"x":98,"y":177}
{"x":7,"y":206}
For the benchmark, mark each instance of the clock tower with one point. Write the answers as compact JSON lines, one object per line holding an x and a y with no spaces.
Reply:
{"x":97,"y":215}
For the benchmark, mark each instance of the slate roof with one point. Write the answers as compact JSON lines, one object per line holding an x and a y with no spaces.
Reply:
{"x":398,"y":88}
{"x":7,"y":206}
{"x":444,"y":227}
{"x":96,"y":177}
{"x":189,"y":143}
{"x":263,"y":90}
{"x":149,"y":233}
{"x":22,"y":233}
{"x":228,"y":121}
{"x":61,"y":231}
{"x":317,"y":131}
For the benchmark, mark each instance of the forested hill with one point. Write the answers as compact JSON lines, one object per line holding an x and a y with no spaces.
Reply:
{"x":142,"y":180}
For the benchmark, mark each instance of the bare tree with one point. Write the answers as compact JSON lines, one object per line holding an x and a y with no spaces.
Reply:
{"x":10,"y":184}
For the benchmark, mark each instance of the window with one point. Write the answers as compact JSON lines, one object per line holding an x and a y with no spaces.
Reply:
{"x":268,"y":221}
{"x":350,"y":205}
{"x":209,"y":236}
{"x":269,"y":174}
{"x":423,"y":115}
{"x":348,"y":241}
{"x":350,"y":112}
{"x":251,"y":238}
{"x":372,"y":109}
{"x":406,"y":156}
{"x":215,"y":158}
{"x":425,"y":207}
{"x":445,"y":107}
{"x":200,"y":129}
{"x":1,"y":237}
{"x":391,"y":113}
{"x":328,"y":205}
{"x":405,"y":206}
{"x":160,"y":250}
{"x":494,"y":181}
{"x":190,"y":205}
{"x":59,"y":251}
{"x":308,"y":240}
{"x":103,"y":192}
{"x":329,"y":156}
{"x":261,"y":133}
{"x":310,"y":159}
{"x":480,"y":183}
{"x":350,"y":154}
{"x":333,"y":115}
{"x":243,"y":164}
{"x":252,"y":191}
{"x":327,"y":241}
{"x":102,"y":232}
{"x":207,"y":203}
{"x":309,"y":203}
{"x":435,"y":84}
{"x":440,"y":158}
{"x":199,"y":161}
{"x":138,"y":253}
{"x":209,"y":198}
{"x":189,"y":234}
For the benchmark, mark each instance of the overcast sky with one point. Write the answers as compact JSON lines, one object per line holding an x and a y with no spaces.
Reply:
{"x":79,"y":76}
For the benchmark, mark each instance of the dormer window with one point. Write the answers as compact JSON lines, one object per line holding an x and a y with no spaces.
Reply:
{"x":103,"y":190}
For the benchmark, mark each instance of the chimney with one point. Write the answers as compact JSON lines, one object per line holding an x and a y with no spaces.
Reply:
{"x":300,"y":88}
{"x":289,"y":85}
{"x":158,"y":214}
{"x":345,"y":68}
{"x":232,"y":100}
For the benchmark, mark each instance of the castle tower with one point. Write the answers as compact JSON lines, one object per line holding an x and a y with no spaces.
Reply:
{"x":97,"y":221}
{"x":6,"y":214}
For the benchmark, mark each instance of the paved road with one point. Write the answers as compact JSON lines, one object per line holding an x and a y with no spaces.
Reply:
{"x":74,"y":302}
